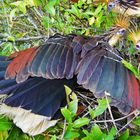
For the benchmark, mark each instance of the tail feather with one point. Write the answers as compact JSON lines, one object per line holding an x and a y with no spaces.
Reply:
{"x":36,"y":96}
{"x":133,"y":91}
{"x":2,"y":73}
{"x":6,"y":83}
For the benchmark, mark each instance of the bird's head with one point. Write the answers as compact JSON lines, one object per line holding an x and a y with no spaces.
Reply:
{"x":112,"y":4}
{"x":134,"y":36}
{"x":118,"y":31}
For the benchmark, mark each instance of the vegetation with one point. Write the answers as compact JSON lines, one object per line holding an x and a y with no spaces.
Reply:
{"x":28,"y":23}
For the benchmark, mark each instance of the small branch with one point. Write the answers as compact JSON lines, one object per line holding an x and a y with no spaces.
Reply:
{"x":110,"y":112}
{"x":24,"y":39}
{"x":129,"y":122}
{"x":115,"y":120}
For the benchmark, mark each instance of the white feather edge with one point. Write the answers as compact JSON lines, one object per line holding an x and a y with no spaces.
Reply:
{"x":30,"y":123}
{"x":129,"y":11}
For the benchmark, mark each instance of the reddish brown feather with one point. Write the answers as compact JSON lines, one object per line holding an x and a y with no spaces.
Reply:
{"x":133,"y":91}
{"x":21,"y":59}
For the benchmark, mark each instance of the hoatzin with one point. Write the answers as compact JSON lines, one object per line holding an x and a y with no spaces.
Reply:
{"x":32,"y":81}
{"x":129,"y":7}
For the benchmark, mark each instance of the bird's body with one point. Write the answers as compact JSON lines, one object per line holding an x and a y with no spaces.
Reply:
{"x":36,"y":77}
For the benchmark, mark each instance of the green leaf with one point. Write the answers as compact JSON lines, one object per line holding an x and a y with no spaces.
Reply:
{"x":91,"y":20}
{"x":95,"y":134}
{"x":53,"y":138}
{"x":50,"y":9}
{"x":75,"y":11}
{"x":11,"y":38}
{"x":98,"y":10}
{"x":111,"y":134}
{"x":102,"y":106}
{"x":3,"y":135}
{"x":40,"y":137}
{"x":73,"y":107}
{"x":46,"y":22}
{"x":38,"y":2}
{"x":12,"y":13}
{"x":5,"y":124}
{"x":53,"y":2}
{"x":131,"y":67}
{"x":136,"y":121}
{"x":70,"y":133}
{"x":67,"y":114}
{"x":124,"y":136}
{"x":20,"y":5}
{"x":80,"y":122}
{"x":68,"y":92}
{"x":134,"y":138}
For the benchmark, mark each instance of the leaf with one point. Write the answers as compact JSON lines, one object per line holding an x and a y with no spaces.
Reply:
{"x":95,"y":134}
{"x":70,"y":133}
{"x":11,"y":38}
{"x":29,"y":2}
{"x":91,"y":20}
{"x":131,"y":67}
{"x":75,"y":11}
{"x":68,"y":92}
{"x":40,"y":137}
{"x":73,"y":107}
{"x":98,"y":10}
{"x":102,"y":106}
{"x":53,"y":138}
{"x":111,"y":134}
{"x":96,"y":130}
{"x":20,"y":5}
{"x":136,"y":121}
{"x":12,"y":13}
{"x":67,"y":114}
{"x":80,"y":122}
{"x":53,"y":2}
{"x":3,"y":135}
{"x":50,"y":9}
{"x":124,"y":136}
{"x":46,"y":22}
{"x":5,"y":124}
{"x":38,"y":2}
{"x":134,"y":138}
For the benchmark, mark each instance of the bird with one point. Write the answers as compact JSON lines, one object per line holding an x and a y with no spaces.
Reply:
{"x":129,"y":7}
{"x":32,"y":81}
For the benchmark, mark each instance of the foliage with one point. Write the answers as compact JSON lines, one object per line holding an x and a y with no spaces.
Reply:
{"x":74,"y":127}
{"x":27,"y":23}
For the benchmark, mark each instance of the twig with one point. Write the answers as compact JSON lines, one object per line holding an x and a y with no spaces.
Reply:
{"x":24,"y":39}
{"x":136,"y":114}
{"x":109,"y":109}
{"x":38,"y":13}
{"x":115,"y":120}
